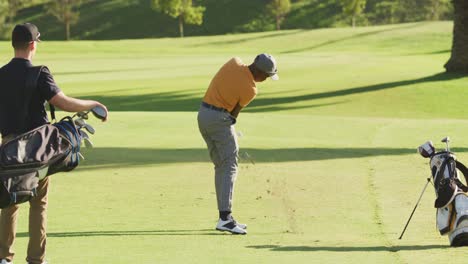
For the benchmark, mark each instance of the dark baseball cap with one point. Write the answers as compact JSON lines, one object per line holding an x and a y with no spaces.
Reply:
{"x":26,"y":32}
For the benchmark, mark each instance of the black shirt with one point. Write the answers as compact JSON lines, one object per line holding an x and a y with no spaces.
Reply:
{"x":12,"y":101}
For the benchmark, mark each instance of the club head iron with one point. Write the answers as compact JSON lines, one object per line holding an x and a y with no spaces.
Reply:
{"x":84,"y":134}
{"x":99,"y":112}
{"x":82,"y":115}
{"x":88,"y":143}
{"x":80,"y":122}
{"x":89,"y":128}
{"x":446,"y":140}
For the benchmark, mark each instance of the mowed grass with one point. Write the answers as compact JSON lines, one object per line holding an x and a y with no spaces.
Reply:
{"x":335,"y":172}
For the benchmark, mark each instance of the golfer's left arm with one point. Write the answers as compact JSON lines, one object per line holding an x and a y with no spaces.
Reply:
{"x":244,"y":99}
{"x":235,"y":112}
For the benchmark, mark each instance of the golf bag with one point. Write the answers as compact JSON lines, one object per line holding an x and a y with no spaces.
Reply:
{"x":34,"y":155}
{"x":452,"y":198}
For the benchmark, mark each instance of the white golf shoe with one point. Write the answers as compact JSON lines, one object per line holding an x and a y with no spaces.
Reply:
{"x":230,"y":225}
{"x":243,"y":226}
{"x":4,"y":261}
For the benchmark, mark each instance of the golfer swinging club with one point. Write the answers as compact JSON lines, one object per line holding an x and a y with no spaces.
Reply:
{"x":231,"y":89}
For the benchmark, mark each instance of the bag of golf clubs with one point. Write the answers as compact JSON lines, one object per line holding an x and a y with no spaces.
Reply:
{"x":451,"y":193}
{"x":41,"y":152}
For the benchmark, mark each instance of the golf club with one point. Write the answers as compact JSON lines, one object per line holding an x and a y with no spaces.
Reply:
{"x":89,"y":128}
{"x":82,"y":115}
{"x":82,"y":124}
{"x":404,"y":229}
{"x":446,"y":140}
{"x":88,"y":143}
{"x":99,"y":112}
{"x":79,"y":122}
{"x":86,"y":139}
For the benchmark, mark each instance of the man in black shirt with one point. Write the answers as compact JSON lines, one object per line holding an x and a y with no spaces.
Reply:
{"x":19,"y":114}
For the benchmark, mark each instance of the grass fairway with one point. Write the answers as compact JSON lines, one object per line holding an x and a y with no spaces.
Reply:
{"x":336,"y":173}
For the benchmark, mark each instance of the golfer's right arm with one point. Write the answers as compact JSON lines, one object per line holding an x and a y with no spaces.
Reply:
{"x":71,"y":104}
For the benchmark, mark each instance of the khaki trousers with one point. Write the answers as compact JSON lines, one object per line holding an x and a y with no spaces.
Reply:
{"x":37,"y":226}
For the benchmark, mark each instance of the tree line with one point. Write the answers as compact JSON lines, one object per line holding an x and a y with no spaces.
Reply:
{"x":272,"y":17}
{"x":66,"y":11}
{"x":274,"y":14}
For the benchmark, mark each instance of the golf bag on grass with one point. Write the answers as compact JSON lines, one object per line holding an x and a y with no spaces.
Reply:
{"x":452,"y":198}
{"x":31,"y":156}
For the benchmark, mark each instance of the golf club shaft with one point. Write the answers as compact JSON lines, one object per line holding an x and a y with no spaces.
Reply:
{"x":416,"y":206}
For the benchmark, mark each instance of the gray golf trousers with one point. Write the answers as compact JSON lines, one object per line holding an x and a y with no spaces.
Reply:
{"x":218,"y":131}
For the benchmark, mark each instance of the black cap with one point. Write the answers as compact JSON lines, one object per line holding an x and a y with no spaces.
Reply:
{"x":26,"y":32}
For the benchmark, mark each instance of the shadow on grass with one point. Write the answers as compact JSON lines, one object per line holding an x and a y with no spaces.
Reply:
{"x":439,"y":52}
{"x":349,"y":248}
{"x":65,"y":73}
{"x":201,"y":232}
{"x":183,"y":101}
{"x":250,"y":38}
{"x":351,"y":91}
{"x":128,"y":157}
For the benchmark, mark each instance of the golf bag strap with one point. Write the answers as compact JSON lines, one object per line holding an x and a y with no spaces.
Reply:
{"x":52,"y":112}
{"x":32,"y":76}
{"x":461,"y":167}
{"x":31,"y":84}
{"x":440,"y":171}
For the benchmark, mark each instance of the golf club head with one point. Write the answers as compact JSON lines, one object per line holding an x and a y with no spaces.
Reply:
{"x":82,"y":115}
{"x":99,"y":112}
{"x":79,"y":122}
{"x":89,"y":128}
{"x":84,"y":134}
{"x":88,"y":142}
{"x":446,"y":140}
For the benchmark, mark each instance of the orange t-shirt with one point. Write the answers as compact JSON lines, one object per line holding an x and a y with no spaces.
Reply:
{"x":234,"y":83}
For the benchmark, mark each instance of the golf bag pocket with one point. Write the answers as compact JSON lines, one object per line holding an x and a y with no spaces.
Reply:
{"x":445,"y":218}
{"x":17,"y":187}
{"x":30,"y":150}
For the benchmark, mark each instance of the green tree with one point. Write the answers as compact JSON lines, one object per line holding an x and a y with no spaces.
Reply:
{"x":184,"y":10}
{"x":3,"y":16}
{"x":66,"y":12}
{"x":353,"y":8}
{"x":384,"y":12}
{"x":14,"y":6}
{"x":437,"y":9}
{"x":279,"y":9}
{"x":458,"y":61}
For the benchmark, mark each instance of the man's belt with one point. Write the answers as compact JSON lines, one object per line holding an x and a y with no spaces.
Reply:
{"x":212,"y":107}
